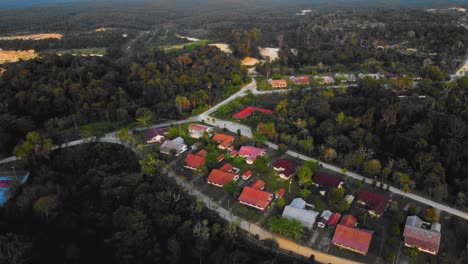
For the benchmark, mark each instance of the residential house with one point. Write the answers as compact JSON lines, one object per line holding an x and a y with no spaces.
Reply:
{"x":377,"y":203}
{"x":220,"y":178}
{"x":298,"y":203}
{"x":251,"y":153}
{"x":353,"y":239}
{"x":326,"y":180}
{"x":325,"y":80}
{"x":229,"y":168}
{"x":246,"y":175}
{"x":255,"y":198}
{"x":306,"y":217}
{"x":201,"y":153}
{"x":196,"y":130}
{"x":343,"y":78}
{"x":280,"y":193}
{"x":278,"y":83}
{"x":220,"y":157}
{"x":154,"y":135}
{"x":375,"y":76}
{"x":249,"y":110}
{"x":258,"y":184}
{"x":194,"y":162}
{"x":423,"y":235}
{"x":302,"y":80}
{"x":348,"y":220}
{"x":224,"y":141}
{"x":176,"y":145}
{"x":286,"y":168}
{"x":349,"y":198}
{"x":323,"y":219}
{"x":334,"y":219}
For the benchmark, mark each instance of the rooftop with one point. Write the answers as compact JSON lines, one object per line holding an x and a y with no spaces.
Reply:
{"x":420,"y":234}
{"x":354,"y":239}
{"x":258,"y":184}
{"x":194,"y":161}
{"x":377,"y":201}
{"x":219,"y":177}
{"x":306,"y":217}
{"x":324,"y":179}
{"x":247,"y":111}
{"x":255,"y":198}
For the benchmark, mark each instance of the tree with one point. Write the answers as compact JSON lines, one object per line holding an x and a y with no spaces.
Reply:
{"x":313,"y":165}
{"x":211,"y":159}
{"x":305,"y":192}
{"x":149,"y":163}
{"x":305,"y":176}
{"x":144,"y":116}
{"x":45,"y":205}
{"x":14,"y":249}
{"x":413,"y":253}
{"x":172,"y":132}
{"x":372,"y":167}
{"x":281,"y":202}
{"x":282,"y":148}
{"x":34,"y":144}
{"x":232,"y":188}
{"x":288,"y":228}
{"x":404,"y":181}
{"x":336,"y":199}
{"x":330,"y":154}
{"x":260,"y":164}
{"x":124,"y":135}
{"x":431,"y":215}
{"x":259,"y":138}
{"x":412,"y":210}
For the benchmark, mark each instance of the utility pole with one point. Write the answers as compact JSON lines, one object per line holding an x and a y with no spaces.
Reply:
{"x":14,"y":171}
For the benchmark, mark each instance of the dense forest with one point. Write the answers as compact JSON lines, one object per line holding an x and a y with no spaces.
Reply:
{"x":89,"y":204}
{"x":57,"y":92}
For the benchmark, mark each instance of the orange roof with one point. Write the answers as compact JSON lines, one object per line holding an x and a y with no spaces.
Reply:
{"x":247,"y":174}
{"x":220,"y":157}
{"x":197,"y":127}
{"x":194,"y":161}
{"x":255,"y":198}
{"x":280,"y":193}
{"x":348,"y":220}
{"x":258,"y":184}
{"x":219,"y":177}
{"x":354,"y":239}
{"x":278,"y":83}
{"x":226,"y":167}
{"x":201,"y":153}
{"x":224,"y":140}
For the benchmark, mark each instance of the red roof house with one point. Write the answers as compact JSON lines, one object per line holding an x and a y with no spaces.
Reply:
{"x":246,"y":175}
{"x":285,"y":168}
{"x":334,"y":219}
{"x":201,"y":153}
{"x":353,"y":239}
{"x":249,"y":110}
{"x":255,"y":198}
{"x":326,"y":180}
{"x":194,"y":162}
{"x":301,"y":80}
{"x":196,"y":130}
{"x":348,"y":220}
{"x":258,"y":184}
{"x":378,"y":203}
{"x":223,"y":140}
{"x":250,"y":153}
{"x":219,"y":177}
{"x":155,"y":135}
{"x":278,"y":83}
{"x":423,"y":235}
{"x":226,"y":167}
{"x":220,"y":157}
{"x":280,"y":193}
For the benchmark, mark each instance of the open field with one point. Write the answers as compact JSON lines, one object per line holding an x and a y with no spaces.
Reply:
{"x":269,"y":52}
{"x":100,"y":29}
{"x":34,"y":36}
{"x":223,"y":47}
{"x":84,"y":52}
{"x":189,"y":46}
{"x":14,"y":56}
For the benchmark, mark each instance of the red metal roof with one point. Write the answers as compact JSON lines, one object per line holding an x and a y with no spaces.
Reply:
{"x":326,"y":180}
{"x":153,"y":132}
{"x":223,"y":140}
{"x":247,"y":111}
{"x":301,"y":80}
{"x":278,"y":83}
{"x":247,"y":174}
{"x":250,"y":152}
{"x":194,"y":161}
{"x":377,"y":201}
{"x":219,"y":177}
{"x":256,"y":198}
{"x":348,"y":220}
{"x":352,"y":238}
{"x":226,"y":167}
{"x":280,"y":193}
{"x":201,"y":153}
{"x":424,"y":239}
{"x":334,"y":219}
{"x":286,"y":167}
{"x":258,"y":184}
{"x":220,"y":157}
{"x":197,"y":127}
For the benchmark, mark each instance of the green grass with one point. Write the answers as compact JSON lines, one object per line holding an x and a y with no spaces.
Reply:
{"x":248,"y":213}
{"x":100,"y":51}
{"x":274,"y":182}
{"x":187,"y":46}
{"x":100,"y":128}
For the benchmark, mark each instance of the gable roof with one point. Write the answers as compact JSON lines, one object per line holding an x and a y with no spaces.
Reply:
{"x":348,"y":220}
{"x":301,"y":79}
{"x":280,"y":82}
{"x":333,"y":220}
{"x":306,"y":217}
{"x":247,"y":111}
{"x":280,"y":193}
{"x":176,"y":144}
{"x":226,"y":167}
{"x":250,"y":152}
{"x":298,"y":203}
{"x":324,"y":179}
{"x":247,"y":173}
{"x":416,"y":235}
{"x":255,"y":198}
{"x":219,"y":177}
{"x":194,"y":161}
{"x":377,"y":201}
{"x":223,"y":140}
{"x":153,"y":132}
{"x":201,"y":153}
{"x":285,"y":167}
{"x":197,"y":127}
{"x":354,"y":239}
{"x":258,"y":184}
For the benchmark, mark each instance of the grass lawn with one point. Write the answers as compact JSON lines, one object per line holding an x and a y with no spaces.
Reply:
{"x":85,"y":52}
{"x":187,"y":46}
{"x":100,"y":128}
{"x":246,"y":212}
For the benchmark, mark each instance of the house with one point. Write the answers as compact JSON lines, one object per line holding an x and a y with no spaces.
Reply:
{"x":201,"y":153}
{"x":423,"y":235}
{"x":255,"y":198}
{"x":350,"y":78}
{"x":375,"y":76}
{"x":306,"y":217}
{"x":229,"y":168}
{"x":323,"y":219}
{"x":377,"y":203}
{"x":251,"y":153}
{"x":280,"y":193}
{"x":326,"y":180}
{"x":196,"y":130}
{"x":155,"y":135}
{"x":325,"y":79}
{"x":334,"y":219}
{"x":223,"y":140}
{"x":249,"y":110}
{"x":298,"y":203}
{"x":194,"y":162}
{"x":258,"y":184}
{"x":353,"y":239}
{"x":278,"y":83}
{"x":246,"y":175}
{"x":349,"y":198}
{"x":285,"y":168}
{"x":176,"y":145}
{"x":219,"y":177}
{"x":348,"y":220}
{"x":302,"y":80}
{"x":220,"y":157}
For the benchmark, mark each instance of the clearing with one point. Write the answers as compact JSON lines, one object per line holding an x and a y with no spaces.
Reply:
{"x":249,"y":61}
{"x":15,"y":55}
{"x":188,"y":46}
{"x":269,"y":52}
{"x":223,"y":47}
{"x":101,"y":29}
{"x":34,"y":36}
{"x":99,"y":52}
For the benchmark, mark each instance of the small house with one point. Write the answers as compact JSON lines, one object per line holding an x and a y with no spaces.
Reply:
{"x":175,"y":146}
{"x":423,"y":235}
{"x":280,"y":193}
{"x":255,"y":198}
{"x":246,"y":175}
{"x":306,"y":217}
{"x":352,"y":239}
{"x":224,"y":141}
{"x":194,"y":162}
{"x":258,"y":184}
{"x":376,"y":202}
{"x":196,"y":131}
{"x":220,"y":178}
{"x":154,"y":135}
{"x":326,"y":180}
{"x":286,"y":168}
{"x":251,"y":153}
{"x":323,"y":219}
{"x":278,"y":83}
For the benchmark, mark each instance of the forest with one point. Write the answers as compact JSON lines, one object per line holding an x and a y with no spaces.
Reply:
{"x":90,"y":204}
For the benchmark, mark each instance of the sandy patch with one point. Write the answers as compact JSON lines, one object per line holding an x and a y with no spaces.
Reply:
{"x":2,"y":70}
{"x":223,"y":47}
{"x":34,"y":36}
{"x":14,"y":56}
{"x":269,"y":52}
{"x":249,"y":61}
{"x":100,"y":29}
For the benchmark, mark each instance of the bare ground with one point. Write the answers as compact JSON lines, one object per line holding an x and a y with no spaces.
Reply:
{"x":34,"y":36}
{"x":14,"y":55}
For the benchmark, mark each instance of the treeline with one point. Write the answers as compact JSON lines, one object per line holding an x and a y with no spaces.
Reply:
{"x":58,"y":92}
{"x":88,"y":204}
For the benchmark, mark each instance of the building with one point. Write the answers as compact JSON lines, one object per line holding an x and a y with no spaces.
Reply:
{"x":246,"y":175}
{"x":326,"y":180}
{"x":220,"y":157}
{"x":298,"y":203}
{"x":286,"y":168}
{"x":220,"y":178}
{"x":280,"y":193}
{"x":255,"y":198}
{"x":350,"y":78}
{"x":196,"y":130}
{"x":377,"y":203}
{"x":353,"y":239}
{"x":334,"y":219}
{"x":249,"y":110}
{"x":423,"y":235}
{"x":258,"y":184}
{"x":278,"y":83}
{"x":229,"y":168}
{"x":251,"y":153}
{"x":176,"y":146}
{"x":154,"y":135}
{"x":306,"y":217}
{"x":201,"y":153}
{"x":348,"y":220}
{"x":349,"y":198}
{"x":194,"y":162}
{"x":302,"y":80}
{"x":375,"y":76}
{"x":323,"y":219}
{"x":224,"y":141}
{"x":325,"y":79}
